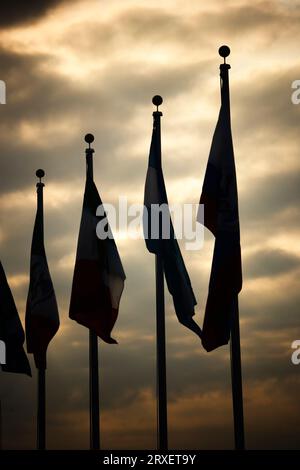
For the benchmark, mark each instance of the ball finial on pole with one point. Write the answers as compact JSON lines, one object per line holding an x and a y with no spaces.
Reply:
{"x":157,"y":101}
{"x":40,"y":174}
{"x":89,"y":138}
{"x":224,"y":52}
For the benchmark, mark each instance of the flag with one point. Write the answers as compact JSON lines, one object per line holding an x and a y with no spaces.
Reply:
{"x":98,"y":280}
{"x":42,"y":319}
{"x":177,"y":278}
{"x":221,"y":217}
{"x":11,"y":331}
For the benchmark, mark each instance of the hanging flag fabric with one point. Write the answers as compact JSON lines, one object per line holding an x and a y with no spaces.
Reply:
{"x":11,"y":331}
{"x":42,"y":319}
{"x":221,"y":217}
{"x":165,"y":244}
{"x":98,"y":280}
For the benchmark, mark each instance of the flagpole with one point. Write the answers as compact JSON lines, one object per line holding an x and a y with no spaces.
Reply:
{"x":0,"y":425}
{"x":41,"y":392}
{"x":162,"y":435}
{"x":162,"y":422}
{"x":235,"y":343}
{"x":93,"y":341}
{"x":236,"y":380}
{"x":41,"y":410}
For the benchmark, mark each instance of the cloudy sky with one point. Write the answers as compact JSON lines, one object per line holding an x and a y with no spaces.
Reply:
{"x":93,"y":66}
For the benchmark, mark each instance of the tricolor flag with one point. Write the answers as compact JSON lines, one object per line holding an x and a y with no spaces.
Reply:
{"x":177,"y":278}
{"x":221,"y":217}
{"x":99,"y":277}
{"x":11,"y":331}
{"x":42,"y":319}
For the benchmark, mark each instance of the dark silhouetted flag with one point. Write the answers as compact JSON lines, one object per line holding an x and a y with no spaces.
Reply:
{"x":11,"y":331}
{"x":221,"y":217}
{"x":177,"y":278}
{"x":42,"y":319}
{"x":99,"y":277}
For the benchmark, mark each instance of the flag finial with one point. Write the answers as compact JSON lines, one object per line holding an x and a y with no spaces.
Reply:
{"x":40,"y":174}
{"x":89,"y":138}
{"x":224,"y":52}
{"x":157,"y":101}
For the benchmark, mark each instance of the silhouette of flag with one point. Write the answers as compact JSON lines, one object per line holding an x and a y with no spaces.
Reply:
{"x":98,"y":280}
{"x":11,"y":331}
{"x":42,"y":319}
{"x":221,"y":217}
{"x":177,"y":278}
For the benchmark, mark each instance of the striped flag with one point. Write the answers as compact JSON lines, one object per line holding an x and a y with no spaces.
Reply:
{"x":99,"y":277}
{"x":42,"y":319}
{"x":11,"y":331}
{"x":177,"y":278}
{"x":221,"y":217}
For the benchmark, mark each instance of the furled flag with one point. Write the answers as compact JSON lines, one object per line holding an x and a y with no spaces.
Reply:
{"x":221,"y":217}
{"x":165,"y":244}
{"x":42,"y":319}
{"x":11,"y":331}
{"x":99,"y":277}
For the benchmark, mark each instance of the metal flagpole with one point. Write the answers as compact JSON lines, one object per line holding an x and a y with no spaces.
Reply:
{"x":162,"y":422}
{"x":235,"y":344}
{"x":161,"y":357}
{"x":94,"y":392}
{"x":93,"y":341}
{"x":236,"y":380}
{"x":41,"y":392}
{"x":41,"y":412}
{"x":0,"y":425}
